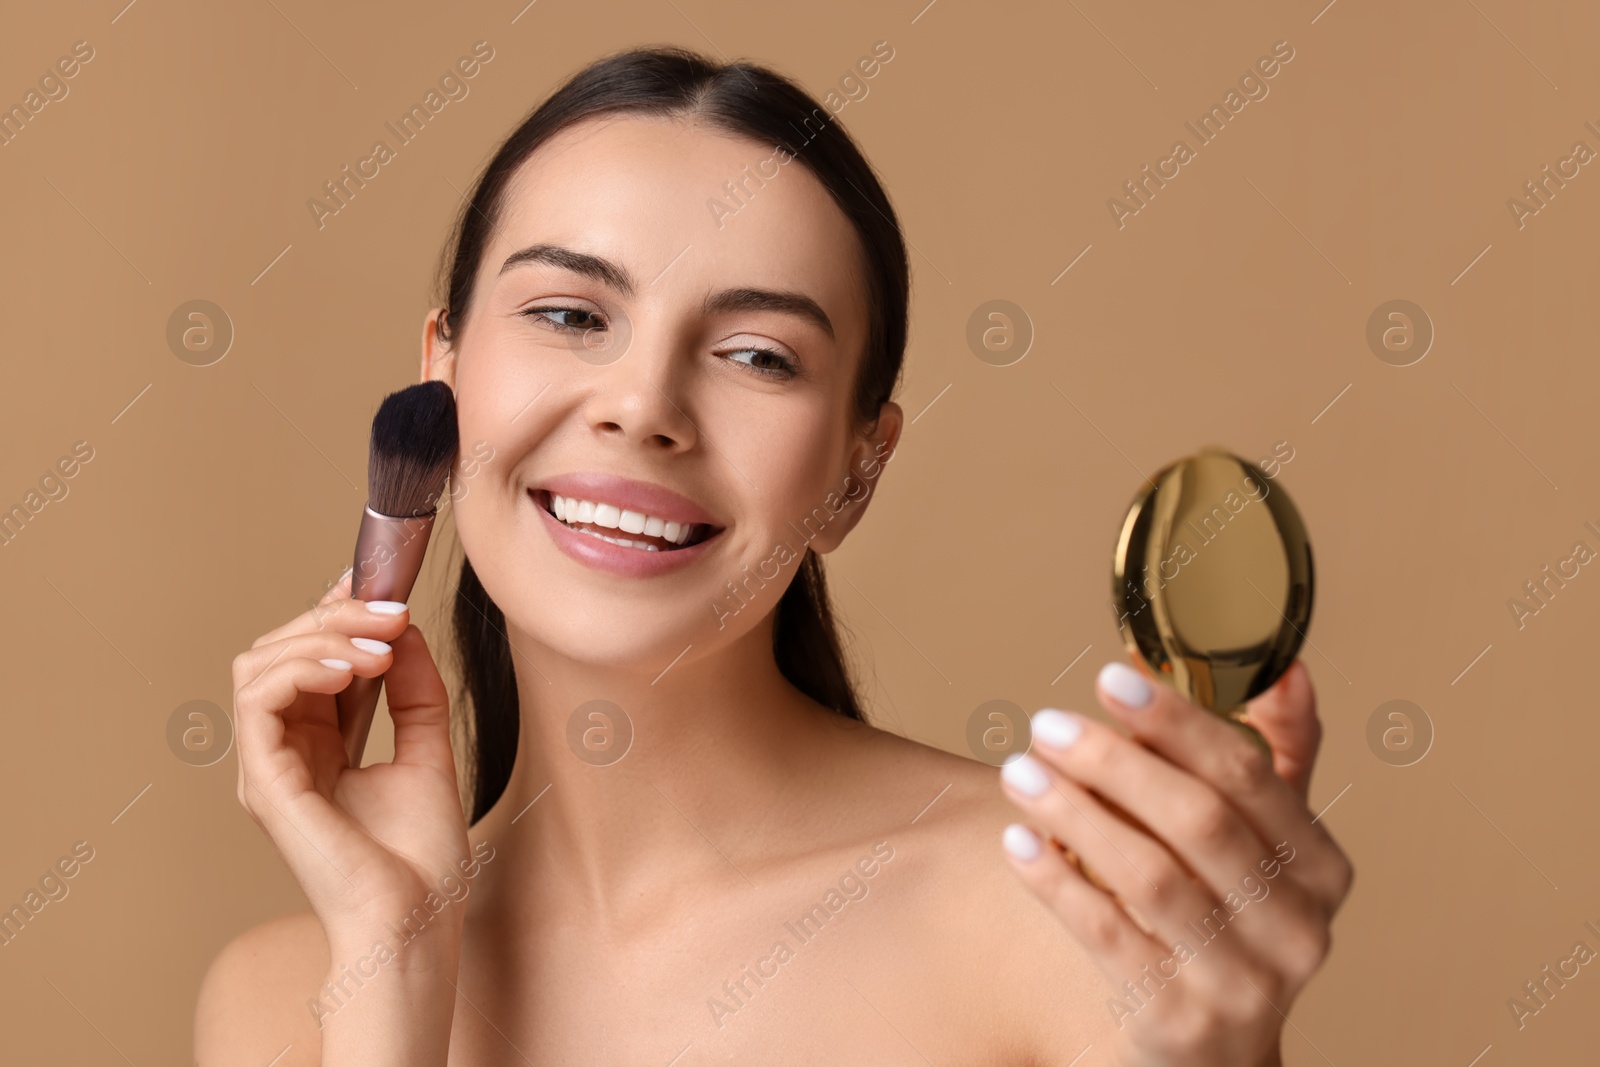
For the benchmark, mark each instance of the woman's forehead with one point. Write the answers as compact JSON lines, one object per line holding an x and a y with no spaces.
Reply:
{"x":665,"y":196}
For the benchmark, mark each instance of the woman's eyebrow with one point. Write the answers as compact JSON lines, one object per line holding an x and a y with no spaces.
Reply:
{"x":601,"y":270}
{"x":721,"y":302}
{"x":768,"y":300}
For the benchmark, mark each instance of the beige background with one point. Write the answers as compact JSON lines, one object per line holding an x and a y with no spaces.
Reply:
{"x":1232,"y":309}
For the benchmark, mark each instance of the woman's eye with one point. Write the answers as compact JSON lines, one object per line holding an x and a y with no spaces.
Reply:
{"x":574,"y":321}
{"x":766,"y":361}
{"x":763,"y":361}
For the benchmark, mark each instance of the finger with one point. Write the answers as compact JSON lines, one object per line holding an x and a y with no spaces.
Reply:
{"x":262,"y":704}
{"x":1144,"y":876}
{"x":267,"y":753}
{"x":382,"y":619}
{"x":279,"y":771}
{"x":1207,"y":747}
{"x":312,"y":756}
{"x":1185,"y":814}
{"x":1132,"y":864}
{"x":365,"y":656}
{"x":1286,"y":715}
{"x":1219,"y":755}
{"x":1118,"y":945}
{"x":1289,"y":935}
{"x":419,"y":705}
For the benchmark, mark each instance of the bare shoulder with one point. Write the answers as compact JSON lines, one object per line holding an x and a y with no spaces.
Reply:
{"x":255,"y":996}
{"x":1001,"y":958}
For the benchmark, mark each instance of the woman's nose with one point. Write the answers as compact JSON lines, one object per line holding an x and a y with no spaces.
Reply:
{"x":637,"y":392}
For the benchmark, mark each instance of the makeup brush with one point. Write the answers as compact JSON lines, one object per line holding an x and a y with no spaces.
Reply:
{"x":414,"y":444}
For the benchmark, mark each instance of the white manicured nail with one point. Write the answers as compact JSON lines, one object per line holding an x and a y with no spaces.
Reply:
{"x":1021,"y":842}
{"x":1126,"y":684}
{"x":367,"y":644}
{"x":1056,"y":728}
{"x":1026,"y":775}
{"x":336,"y":664}
{"x":385,"y":607}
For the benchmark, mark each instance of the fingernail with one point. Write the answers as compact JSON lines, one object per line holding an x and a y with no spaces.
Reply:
{"x":1021,"y":842}
{"x":1126,"y":684}
{"x":345,"y":575}
{"x":1056,"y":728}
{"x":336,"y":664}
{"x":1026,"y":776}
{"x":367,"y":644}
{"x":385,"y":607}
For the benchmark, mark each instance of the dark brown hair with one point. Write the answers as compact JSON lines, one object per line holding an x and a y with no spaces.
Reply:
{"x":750,"y":101}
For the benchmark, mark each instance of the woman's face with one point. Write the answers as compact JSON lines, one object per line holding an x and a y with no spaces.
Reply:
{"x":632,"y":345}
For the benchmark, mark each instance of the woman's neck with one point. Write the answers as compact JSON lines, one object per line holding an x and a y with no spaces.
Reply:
{"x":714,"y":744}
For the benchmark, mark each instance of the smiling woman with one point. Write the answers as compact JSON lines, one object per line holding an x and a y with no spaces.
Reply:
{"x":801,"y":352}
{"x":666,"y":401}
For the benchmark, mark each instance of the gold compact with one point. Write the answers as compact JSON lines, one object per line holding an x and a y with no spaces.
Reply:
{"x":1212,"y":581}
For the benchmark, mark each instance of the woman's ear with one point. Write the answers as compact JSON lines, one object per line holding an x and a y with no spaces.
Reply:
{"x":860,"y":480}
{"x":438,"y":358}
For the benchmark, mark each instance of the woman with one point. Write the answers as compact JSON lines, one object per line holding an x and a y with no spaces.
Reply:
{"x":686,"y":846}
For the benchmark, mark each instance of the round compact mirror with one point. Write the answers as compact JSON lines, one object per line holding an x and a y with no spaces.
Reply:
{"x":1212,"y":581}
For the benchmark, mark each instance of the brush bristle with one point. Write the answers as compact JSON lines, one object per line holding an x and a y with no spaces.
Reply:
{"x":414,"y":443}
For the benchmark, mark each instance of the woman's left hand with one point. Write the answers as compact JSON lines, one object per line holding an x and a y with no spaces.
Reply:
{"x":1221,"y":885}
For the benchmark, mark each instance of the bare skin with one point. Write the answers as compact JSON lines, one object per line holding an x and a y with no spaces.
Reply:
{"x":602,"y":909}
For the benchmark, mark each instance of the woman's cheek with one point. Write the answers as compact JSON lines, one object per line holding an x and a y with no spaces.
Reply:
{"x":496,"y":388}
{"x":795,"y":450}
{"x":472,"y":512}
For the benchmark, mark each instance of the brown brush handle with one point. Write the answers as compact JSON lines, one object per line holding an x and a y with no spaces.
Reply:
{"x":388,"y":559}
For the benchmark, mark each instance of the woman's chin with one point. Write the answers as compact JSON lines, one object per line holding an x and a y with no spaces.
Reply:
{"x":601,"y":644}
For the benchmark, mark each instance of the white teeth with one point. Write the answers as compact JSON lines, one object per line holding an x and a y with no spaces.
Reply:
{"x":569,"y":510}
{"x":623,"y":541}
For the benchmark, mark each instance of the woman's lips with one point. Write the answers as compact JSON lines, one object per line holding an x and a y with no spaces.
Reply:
{"x":616,"y":559}
{"x":647,"y":498}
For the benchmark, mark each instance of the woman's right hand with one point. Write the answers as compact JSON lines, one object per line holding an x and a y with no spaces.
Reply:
{"x":368,"y":845}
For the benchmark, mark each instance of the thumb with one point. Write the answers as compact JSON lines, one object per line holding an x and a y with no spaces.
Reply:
{"x":419,"y":705}
{"x":1286,"y":715}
